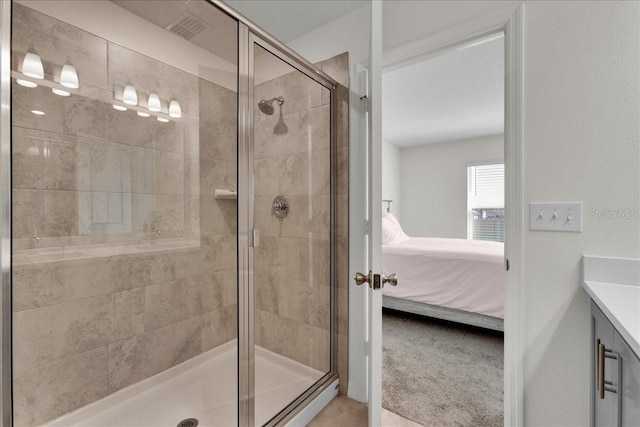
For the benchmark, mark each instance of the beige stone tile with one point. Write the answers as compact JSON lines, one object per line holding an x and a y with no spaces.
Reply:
{"x":125,"y":363}
{"x":219,"y":290}
{"x":294,"y":257}
{"x":142,"y":166}
{"x":320,"y":261}
{"x":299,"y":91}
{"x":28,"y":220}
{"x":61,"y":213}
{"x":267,"y":290}
{"x":192,"y":175}
{"x":219,"y":327}
{"x":37,"y":285}
{"x":342,"y":171}
{"x":276,"y":136}
{"x":32,"y":339}
{"x":131,"y":271}
{"x":128,"y":314}
{"x":321,"y":172}
{"x":142,"y":213}
{"x":163,"y":267}
{"x":187,"y":263}
{"x":25,"y":100}
{"x":88,"y":277}
{"x":60,"y":165}
{"x":161,"y":305}
{"x":219,"y":252}
{"x":307,"y":215}
{"x":216,"y":174}
{"x":267,"y":177}
{"x":295,"y":175}
{"x":338,"y":68}
{"x":27,"y":156}
{"x":52,"y":390}
{"x":104,"y":166}
{"x":192,"y":215}
{"x":342,"y":116}
{"x":342,"y":357}
{"x":218,"y":122}
{"x":265,"y":221}
{"x":218,"y":216}
{"x":342,"y":262}
{"x":81,"y":325}
{"x":168,"y":173}
{"x":303,"y":302}
{"x":168,"y":214}
{"x":316,"y":129}
{"x":340,"y":406}
{"x":57,"y":42}
{"x":172,"y":344}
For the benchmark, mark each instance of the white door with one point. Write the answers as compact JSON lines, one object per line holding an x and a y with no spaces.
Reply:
{"x":373,"y":271}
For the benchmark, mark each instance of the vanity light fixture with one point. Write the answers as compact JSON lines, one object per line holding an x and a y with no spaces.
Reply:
{"x":129,"y":95}
{"x":174,"y":109}
{"x":162,"y":119}
{"x":32,"y":66}
{"x":154,"y":103}
{"x":26,"y":83}
{"x":69,"y":77}
{"x":119,"y":107}
{"x":143,"y":114}
{"x":60,"y":92}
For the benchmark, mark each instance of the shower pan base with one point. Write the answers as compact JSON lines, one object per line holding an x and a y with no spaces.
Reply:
{"x":203,"y":388}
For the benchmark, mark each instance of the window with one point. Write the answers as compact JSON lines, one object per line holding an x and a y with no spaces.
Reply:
{"x":485,"y":202}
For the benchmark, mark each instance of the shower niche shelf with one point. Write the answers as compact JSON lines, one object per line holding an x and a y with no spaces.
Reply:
{"x":225,"y":194}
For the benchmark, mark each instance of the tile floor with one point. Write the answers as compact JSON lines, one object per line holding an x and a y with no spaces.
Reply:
{"x":345,"y":412}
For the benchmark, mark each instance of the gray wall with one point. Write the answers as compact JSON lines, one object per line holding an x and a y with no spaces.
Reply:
{"x":433,"y":185}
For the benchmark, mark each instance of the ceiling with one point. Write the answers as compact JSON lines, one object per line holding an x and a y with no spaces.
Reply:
{"x":287,"y":20}
{"x":196,"y":21}
{"x":458,"y":95}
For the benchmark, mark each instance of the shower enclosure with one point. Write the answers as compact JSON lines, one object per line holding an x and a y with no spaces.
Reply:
{"x":173,"y":217}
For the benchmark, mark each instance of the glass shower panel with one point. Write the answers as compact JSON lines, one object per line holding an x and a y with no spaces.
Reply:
{"x":292,"y":212}
{"x":124,"y":260}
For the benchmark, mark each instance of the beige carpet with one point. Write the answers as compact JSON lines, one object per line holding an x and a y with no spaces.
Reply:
{"x":441,"y":374}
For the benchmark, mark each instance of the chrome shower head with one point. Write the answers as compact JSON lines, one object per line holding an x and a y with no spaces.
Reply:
{"x":266,"y":106}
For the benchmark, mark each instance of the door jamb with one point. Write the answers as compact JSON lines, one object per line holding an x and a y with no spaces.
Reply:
{"x":509,"y":21}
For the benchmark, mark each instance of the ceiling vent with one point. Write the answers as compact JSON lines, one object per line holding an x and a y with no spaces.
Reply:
{"x":186,"y":27}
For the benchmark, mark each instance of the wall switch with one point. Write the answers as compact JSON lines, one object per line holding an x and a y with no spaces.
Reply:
{"x":556,"y":216}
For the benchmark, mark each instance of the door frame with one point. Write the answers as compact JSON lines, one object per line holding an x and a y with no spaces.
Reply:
{"x":510,"y":22}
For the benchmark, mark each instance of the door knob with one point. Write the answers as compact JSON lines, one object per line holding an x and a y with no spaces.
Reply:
{"x":391,"y":279}
{"x":361,"y":278}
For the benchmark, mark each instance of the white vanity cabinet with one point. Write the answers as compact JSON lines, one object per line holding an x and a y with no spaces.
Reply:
{"x":615,"y":376}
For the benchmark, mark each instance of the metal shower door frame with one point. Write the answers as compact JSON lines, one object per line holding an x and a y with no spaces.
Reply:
{"x":250,"y":36}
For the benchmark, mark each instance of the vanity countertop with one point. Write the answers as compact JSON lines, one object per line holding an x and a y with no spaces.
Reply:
{"x":614,"y":285}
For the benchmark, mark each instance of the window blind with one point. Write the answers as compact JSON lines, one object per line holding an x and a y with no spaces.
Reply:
{"x":485,"y":202}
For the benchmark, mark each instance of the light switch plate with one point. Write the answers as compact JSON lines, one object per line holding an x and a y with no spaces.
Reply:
{"x":561,"y":216}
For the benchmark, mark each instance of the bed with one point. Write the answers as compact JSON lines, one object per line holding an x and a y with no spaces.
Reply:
{"x":452,"y":279}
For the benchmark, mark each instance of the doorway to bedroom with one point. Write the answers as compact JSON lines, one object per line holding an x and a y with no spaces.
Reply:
{"x":443,"y":232}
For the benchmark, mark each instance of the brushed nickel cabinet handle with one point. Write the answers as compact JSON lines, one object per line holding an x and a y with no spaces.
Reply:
{"x":604,"y":353}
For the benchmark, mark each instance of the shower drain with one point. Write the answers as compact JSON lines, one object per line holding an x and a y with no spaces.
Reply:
{"x":189,"y":422}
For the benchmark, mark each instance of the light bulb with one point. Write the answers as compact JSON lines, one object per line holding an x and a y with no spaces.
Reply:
{"x":38,"y":112}
{"x":174,"y":109}
{"x":119,"y":107}
{"x":143,"y":114}
{"x":26,"y":83}
{"x":154,"y":102}
{"x":60,"y":92}
{"x":162,"y":119}
{"x":69,"y":77}
{"x":130,"y":96}
{"x":32,"y":66}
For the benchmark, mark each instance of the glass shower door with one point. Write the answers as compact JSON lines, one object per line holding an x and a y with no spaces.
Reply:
{"x":124,"y":126}
{"x":292,"y":216}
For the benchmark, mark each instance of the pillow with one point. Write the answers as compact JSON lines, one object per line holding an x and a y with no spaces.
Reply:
{"x":392,"y":233}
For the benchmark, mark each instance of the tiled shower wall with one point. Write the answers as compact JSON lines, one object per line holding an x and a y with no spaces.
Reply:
{"x":292,"y":158}
{"x":124,"y":264}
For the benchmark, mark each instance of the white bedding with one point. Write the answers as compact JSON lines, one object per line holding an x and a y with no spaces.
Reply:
{"x":467,"y":275}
